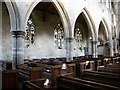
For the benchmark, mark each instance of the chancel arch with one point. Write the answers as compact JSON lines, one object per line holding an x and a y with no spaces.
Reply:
{"x":49,"y":31}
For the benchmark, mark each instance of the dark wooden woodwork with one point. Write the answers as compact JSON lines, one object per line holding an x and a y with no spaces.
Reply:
{"x":10,"y":80}
{"x":69,"y":83}
{"x":113,"y":68}
{"x":51,"y":72}
{"x":102,"y":77}
{"x":30,"y":73}
{"x":36,"y":84}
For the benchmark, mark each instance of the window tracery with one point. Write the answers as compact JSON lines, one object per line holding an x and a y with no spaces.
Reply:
{"x":78,"y":38}
{"x":30,"y":32}
{"x":59,"y":36}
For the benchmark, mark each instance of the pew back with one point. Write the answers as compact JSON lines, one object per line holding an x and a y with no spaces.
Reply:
{"x":36,"y":84}
{"x":102,"y":77}
{"x":69,"y":83}
{"x":10,"y":79}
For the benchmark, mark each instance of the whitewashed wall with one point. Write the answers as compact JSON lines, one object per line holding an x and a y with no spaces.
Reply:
{"x":44,"y":42}
{"x":44,"y":37}
{"x":6,"y":35}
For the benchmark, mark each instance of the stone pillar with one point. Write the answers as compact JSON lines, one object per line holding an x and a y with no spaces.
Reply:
{"x":69,"y":49}
{"x":115,"y":43}
{"x":94,"y":49}
{"x":1,"y":44}
{"x":111,"y":47}
{"x":17,"y":48}
{"x":90,"y":47}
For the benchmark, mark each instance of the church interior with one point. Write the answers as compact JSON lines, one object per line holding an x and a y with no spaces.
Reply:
{"x":59,"y":45}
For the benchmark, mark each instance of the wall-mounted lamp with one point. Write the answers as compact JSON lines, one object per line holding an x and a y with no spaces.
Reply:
{"x":90,"y":38}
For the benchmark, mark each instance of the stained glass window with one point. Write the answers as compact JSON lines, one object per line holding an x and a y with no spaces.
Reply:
{"x":30,"y":29}
{"x":59,"y":36}
{"x":78,"y":38}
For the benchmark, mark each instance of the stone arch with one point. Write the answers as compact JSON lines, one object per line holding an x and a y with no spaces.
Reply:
{"x":105,"y":43}
{"x":106,"y":28}
{"x":61,"y":10}
{"x":89,"y":22}
{"x":13,"y":13}
{"x":91,"y":42}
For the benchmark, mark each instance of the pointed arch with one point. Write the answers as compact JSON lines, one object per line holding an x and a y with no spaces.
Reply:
{"x":107,"y":33}
{"x":89,"y":22}
{"x":61,"y":10}
{"x":13,"y":14}
{"x":104,"y":39}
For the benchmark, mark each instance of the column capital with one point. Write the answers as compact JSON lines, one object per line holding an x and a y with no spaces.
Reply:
{"x":69,"y":39}
{"x":94,"y":41}
{"x":18,"y":33}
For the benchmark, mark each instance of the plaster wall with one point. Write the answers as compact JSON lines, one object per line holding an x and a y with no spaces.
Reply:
{"x":44,"y":31}
{"x":6,"y":35}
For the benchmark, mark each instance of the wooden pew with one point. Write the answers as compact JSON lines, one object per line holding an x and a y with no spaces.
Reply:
{"x":102,"y":77}
{"x":69,"y":83}
{"x":10,"y":80}
{"x":36,"y":84}
{"x":29,"y":73}
{"x":114,"y":68}
{"x":53,"y":71}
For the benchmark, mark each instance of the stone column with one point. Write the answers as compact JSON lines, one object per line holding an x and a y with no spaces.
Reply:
{"x":69,"y":49}
{"x":17,"y":48}
{"x":111,"y":49}
{"x":1,"y":44}
{"x":94,"y":51}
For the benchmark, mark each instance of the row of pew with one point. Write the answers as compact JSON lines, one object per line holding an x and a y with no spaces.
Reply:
{"x":33,"y":75}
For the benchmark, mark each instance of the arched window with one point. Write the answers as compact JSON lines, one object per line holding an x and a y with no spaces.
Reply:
{"x":78,"y":38}
{"x":30,"y":29}
{"x":59,"y":36}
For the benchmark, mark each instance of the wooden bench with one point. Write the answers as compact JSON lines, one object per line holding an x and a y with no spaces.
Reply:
{"x":10,"y":80}
{"x":29,"y":73}
{"x":102,"y":77}
{"x":53,"y":71}
{"x":114,"y":68}
{"x":69,"y":83}
{"x":36,"y":84}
